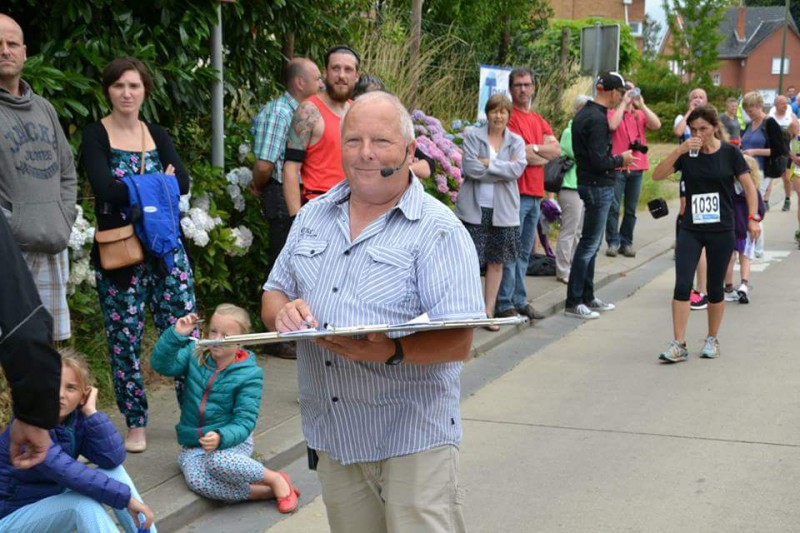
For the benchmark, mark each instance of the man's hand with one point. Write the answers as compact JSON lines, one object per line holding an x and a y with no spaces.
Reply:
{"x":210,"y":441}
{"x":134,"y":508}
{"x":89,"y":406}
{"x":627,"y":158}
{"x":293,"y":316}
{"x":376,"y":348}
{"x":36,"y":442}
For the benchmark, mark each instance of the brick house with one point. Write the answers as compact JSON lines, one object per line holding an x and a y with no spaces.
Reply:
{"x":750,"y":55}
{"x":630,"y":12}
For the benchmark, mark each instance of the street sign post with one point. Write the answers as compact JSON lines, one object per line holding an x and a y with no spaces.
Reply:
{"x":599,"y":49}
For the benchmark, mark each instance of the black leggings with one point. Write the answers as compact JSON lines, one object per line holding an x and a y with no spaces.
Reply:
{"x":719,"y":247}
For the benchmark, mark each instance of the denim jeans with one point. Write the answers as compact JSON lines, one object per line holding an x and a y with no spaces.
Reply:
{"x":596,"y":202}
{"x":629,"y":185}
{"x":513,"y":294}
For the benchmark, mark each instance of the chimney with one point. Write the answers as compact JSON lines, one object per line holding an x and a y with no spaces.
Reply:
{"x":741,"y":18}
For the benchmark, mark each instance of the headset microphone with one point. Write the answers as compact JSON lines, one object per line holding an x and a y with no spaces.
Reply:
{"x":388,"y":171}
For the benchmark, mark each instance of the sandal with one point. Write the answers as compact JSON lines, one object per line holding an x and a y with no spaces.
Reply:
{"x":492,"y":327}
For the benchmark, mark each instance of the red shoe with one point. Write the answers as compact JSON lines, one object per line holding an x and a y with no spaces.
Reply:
{"x":288,"y":504}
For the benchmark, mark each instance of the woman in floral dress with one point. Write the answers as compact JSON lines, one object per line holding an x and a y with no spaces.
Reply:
{"x":112,"y":149}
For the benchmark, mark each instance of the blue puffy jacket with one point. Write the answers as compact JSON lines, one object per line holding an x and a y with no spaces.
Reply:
{"x":95,"y":438}
{"x":226,"y":401}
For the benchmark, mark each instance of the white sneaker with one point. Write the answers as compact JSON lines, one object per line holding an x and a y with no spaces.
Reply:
{"x":731,"y":296}
{"x":599,"y":305}
{"x":581,"y":311}
{"x":744,"y":293}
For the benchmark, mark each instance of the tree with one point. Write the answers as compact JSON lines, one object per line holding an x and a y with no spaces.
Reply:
{"x":652,"y":37}
{"x":693,"y":25}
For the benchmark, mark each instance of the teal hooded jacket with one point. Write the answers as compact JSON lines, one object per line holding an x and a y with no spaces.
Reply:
{"x":226,"y":401}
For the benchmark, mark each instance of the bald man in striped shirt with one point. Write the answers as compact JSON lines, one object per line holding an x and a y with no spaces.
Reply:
{"x":382,"y":412}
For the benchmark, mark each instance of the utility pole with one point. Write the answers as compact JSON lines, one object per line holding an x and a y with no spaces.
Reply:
{"x":783,"y":46}
{"x":217,"y":120}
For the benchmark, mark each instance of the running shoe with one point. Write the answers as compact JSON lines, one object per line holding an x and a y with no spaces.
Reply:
{"x":627,"y":250}
{"x":787,"y":204}
{"x":731,"y":295}
{"x":599,"y":305}
{"x":582,"y":312}
{"x":698,"y":301}
{"x":710,"y":348}
{"x":675,"y":352}
{"x":612,"y":250}
{"x":744,"y":293}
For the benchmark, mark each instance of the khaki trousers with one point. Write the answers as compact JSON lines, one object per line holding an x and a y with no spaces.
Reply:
{"x":407,"y":494}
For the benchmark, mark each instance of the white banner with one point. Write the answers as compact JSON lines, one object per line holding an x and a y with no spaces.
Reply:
{"x":493,"y":80}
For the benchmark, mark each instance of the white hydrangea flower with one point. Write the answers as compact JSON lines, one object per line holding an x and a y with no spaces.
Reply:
{"x":232,"y":176}
{"x":238,"y":203}
{"x":201,"y":238}
{"x":202,"y":202}
{"x":79,"y":272}
{"x":82,"y":232}
{"x":244,"y":149}
{"x":245,"y":177}
{"x":244,"y":237}
{"x":233,"y":191}
{"x":183,"y":205}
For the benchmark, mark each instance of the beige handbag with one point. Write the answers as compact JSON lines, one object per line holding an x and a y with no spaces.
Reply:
{"x":120,"y":247}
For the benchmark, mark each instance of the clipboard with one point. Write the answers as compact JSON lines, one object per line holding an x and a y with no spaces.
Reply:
{"x":412,"y":326}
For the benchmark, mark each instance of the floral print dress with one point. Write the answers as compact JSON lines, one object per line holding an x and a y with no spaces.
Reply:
{"x":168,"y":295}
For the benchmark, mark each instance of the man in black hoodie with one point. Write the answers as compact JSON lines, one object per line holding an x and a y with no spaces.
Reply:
{"x":31,"y":365}
{"x":591,"y":143}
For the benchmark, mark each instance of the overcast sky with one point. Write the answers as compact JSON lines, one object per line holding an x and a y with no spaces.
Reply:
{"x":656,"y":12}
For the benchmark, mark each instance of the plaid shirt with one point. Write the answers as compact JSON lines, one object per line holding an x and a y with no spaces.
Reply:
{"x":269,"y":130}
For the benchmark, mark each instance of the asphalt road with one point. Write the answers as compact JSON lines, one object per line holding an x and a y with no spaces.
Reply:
{"x":577,"y":427}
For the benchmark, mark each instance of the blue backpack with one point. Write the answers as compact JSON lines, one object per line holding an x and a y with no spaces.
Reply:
{"x":156,"y":197}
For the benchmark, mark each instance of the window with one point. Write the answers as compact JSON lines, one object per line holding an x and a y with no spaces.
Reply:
{"x":717,"y":79}
{"x":676,"y":67}
{"x":637,"y":28}
{"x":776,"y":65}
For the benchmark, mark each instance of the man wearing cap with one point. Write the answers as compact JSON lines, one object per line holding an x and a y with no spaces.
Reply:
{"x":591,"y":142}
{"x":313,"y":147}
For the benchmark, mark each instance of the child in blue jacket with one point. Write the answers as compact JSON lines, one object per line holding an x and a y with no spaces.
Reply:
{"x":61,"y":494}
{"x":220,"y":405}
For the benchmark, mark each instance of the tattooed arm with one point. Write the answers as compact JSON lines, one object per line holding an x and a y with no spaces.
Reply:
{"x":307,"y":128}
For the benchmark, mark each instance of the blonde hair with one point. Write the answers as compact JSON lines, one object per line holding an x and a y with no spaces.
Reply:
{"x":77,"y":362}
{"x":753,"y":99}
{"x":755,"y":171}
{"x":239,"y":315}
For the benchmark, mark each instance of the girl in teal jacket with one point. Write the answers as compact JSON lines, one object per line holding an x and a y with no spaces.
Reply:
{"x":219,"y":411}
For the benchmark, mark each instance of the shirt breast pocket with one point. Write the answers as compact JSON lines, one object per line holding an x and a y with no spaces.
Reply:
{"x":387,"y":277}
{"x":307,"y":260}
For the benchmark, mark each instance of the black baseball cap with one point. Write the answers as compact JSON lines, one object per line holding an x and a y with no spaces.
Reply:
{"x":610,"y":81}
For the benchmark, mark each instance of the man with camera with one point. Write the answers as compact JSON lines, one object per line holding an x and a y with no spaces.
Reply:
{"x":628,"y":124}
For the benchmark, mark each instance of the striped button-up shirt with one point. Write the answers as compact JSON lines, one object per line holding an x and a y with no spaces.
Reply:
{"x":416,"y":258}
{"x":269,"y":130}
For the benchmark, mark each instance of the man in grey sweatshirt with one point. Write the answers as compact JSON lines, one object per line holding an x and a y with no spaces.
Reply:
{"x":38,"y":183}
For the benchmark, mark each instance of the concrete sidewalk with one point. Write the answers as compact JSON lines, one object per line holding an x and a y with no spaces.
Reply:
{"x":278,"y":438}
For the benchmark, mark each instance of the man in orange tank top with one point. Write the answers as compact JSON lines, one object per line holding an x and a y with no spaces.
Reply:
{"x":313,"y":146}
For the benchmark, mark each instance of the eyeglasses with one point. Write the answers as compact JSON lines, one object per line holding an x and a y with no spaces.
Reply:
{"x":521,"y":85}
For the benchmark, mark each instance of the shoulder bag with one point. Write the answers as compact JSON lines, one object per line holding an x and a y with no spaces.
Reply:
{"x":120,"y":247}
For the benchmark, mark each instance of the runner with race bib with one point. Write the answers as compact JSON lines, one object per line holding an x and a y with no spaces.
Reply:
{"x":708,"y":166}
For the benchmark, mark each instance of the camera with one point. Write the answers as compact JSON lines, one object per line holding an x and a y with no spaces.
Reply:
{"x":635,"y":92}
{"x":637,"y":146}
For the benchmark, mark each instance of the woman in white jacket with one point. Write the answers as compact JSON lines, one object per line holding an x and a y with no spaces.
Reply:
{"x":488,"y":201}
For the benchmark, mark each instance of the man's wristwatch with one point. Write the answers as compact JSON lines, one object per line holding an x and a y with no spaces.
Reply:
{"x":397,"y":358}
{"x":756,"y":217}
{"x":535,"y":148}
